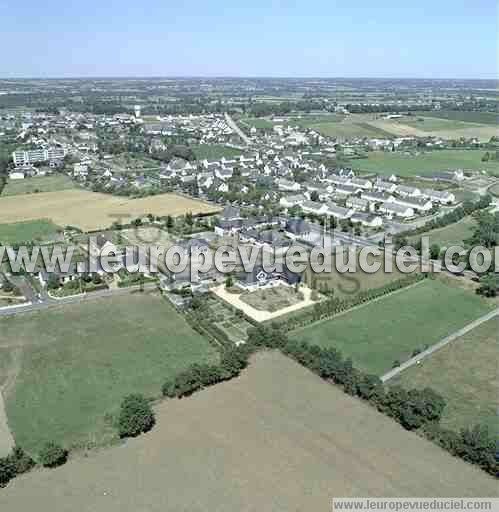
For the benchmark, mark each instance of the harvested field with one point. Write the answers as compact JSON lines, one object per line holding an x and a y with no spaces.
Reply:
{"x":276,"y":439}
{"x":90,"y":210}
{"x":447,"y":129}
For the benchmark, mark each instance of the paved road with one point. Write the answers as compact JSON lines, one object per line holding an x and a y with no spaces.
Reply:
{"x":461,"y":332}
{"x":50,"y":302}
{"x":238,"y":130}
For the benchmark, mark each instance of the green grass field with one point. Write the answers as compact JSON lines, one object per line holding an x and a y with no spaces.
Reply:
{"x":465,"y":373}
{"x":423,"y":164}
{"x":32,"y":230}
{"x":467,"y":117}
{"x":214,"y":151}
{"x":71,"y":366}
{"x":257,"y":122}
{"x":453,"y":234}
{"x":38,"y":184}
{"x":377,"y":334}
{"x":348,"y":129}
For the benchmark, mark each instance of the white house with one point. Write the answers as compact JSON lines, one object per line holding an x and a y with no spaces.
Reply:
{"x":439,"y":196}
{"x":408,"y":191}
{"x":287,"y":185}
{"x":416,"y":203}
{"x":314,"y":207}
{"x":292,"y":200}
{"x":396,"y":210}
{"x":356,"y":203}
{"x":333,"y":210}
{"x":366,"y":220}
{"x":360,"y":183}
{"x":386,"y":186}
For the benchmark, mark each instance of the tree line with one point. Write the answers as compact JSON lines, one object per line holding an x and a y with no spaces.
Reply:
{"x":415,"y":409}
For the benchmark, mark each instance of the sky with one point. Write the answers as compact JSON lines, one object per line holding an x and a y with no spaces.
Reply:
{"x":314,"y":38}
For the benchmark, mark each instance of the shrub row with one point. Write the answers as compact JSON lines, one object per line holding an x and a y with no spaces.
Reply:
{"x":198,"y":376}
{"x":474,"y":445}
{"x":19,"y":462}
{"x":15,"y":464}
{"x":414,"y":409}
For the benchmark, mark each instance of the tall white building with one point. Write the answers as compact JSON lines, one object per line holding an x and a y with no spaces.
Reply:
{"x":33,"y":156}
{"x":137,"y":111}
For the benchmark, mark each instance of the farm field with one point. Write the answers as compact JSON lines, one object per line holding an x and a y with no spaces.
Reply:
{"x":465,"y":374}
{"x":423,"y":164}
{"x":445,"y":128}
{"x":214,"y":151}
{"x":38,"y":184}
{"x":70,"y":366}
{"x":466,"y":116}
{"x":347,"y":284}
{"x":391,"y":328}
{"x":433,"y":124}
{"x":349,"y":129}
{"x":257,"y":122}
{"x":282,"y":437}
{"x":35,"y":230}
{"x":91,"y":210}
{"x":453,"y":234}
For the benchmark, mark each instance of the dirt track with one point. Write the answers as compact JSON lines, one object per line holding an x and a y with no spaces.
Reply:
{"x":276,"y":439}
{"x":6,"y":439}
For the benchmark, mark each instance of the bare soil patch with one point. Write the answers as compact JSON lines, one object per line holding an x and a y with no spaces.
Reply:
{"x":278,"y":438}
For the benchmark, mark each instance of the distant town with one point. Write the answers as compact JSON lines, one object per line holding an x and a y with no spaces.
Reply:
{"x":99,"y":165}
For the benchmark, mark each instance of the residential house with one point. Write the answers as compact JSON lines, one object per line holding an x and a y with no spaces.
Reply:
{"x":292,"y":200}
{"x":347,"y":190}
{"x":314,"y":207}
{"x":439,"y":196}
{"x":357,"y":203}
{"x":385,"y":186}
{"x":297,"y":228}
{"x":416,"y":203}
{"x":338,"y":212}
{"x":287,"y":185}
{"x":396,"y":210}
{"x":406,"y":191}
{"x":367,"y":220}
{"x":360,"y":183}
{"x":231,"y":213}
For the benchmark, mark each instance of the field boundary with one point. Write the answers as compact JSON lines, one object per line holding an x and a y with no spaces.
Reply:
{"x":437,"y":346}
{"x":357,"y":306}
{"x":6,"y":439}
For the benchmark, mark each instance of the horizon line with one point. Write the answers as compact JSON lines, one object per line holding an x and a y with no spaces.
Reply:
{"x":215,"y":77}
